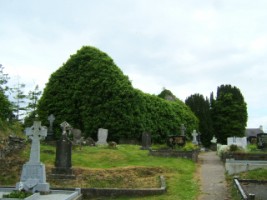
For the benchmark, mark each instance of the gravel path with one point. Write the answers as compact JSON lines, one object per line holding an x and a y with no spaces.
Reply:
{"x":212,"y":177}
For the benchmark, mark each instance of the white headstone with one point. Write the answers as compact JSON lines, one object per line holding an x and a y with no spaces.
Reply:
{"x":33,"y":177}
{"x":102,"y":136}
{"x":239,"y":141}
{"x":214,"y":140}
{"x":194,"y":134}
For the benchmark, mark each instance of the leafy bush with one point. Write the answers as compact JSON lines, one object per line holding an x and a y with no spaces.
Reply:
{"x":252,"y":147}
{"x":17,"y":194}
{"x":89,"y":92}
{"x":233,"y":148}
{"x":189,"y":146}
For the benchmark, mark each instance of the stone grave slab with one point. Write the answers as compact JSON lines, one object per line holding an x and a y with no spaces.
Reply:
{"x":102,"y":136}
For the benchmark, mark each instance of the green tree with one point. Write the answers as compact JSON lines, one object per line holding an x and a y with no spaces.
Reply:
{"x":5,"y":104}
{"x":19,"y":107}
{"x":33,"y":97}
{"x":89,"y":91}
{"x":229,"y":113}
{"x":201,"y":108}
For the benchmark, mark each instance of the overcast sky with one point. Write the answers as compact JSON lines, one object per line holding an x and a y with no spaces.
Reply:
{"x":186,"y":46}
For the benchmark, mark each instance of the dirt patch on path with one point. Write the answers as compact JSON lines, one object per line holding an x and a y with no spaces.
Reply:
{"x":211,"y":174}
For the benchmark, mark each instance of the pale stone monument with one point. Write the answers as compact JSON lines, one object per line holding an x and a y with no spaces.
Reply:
{"x":214,"y":140}
{"x":194,"y":134}
{"x":183,"y":130}
{"x":102,"y":136}
{"x":238,"y":141}
{"x":33,"y":177}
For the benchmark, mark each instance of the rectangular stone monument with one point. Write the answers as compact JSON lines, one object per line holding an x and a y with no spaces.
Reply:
{"x":102,"y":136}
{"x":33,"y":177}
{"x":239,"y":141}
{"x":146,"y":141}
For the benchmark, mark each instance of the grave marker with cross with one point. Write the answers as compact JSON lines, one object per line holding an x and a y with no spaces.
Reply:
{"x":33,"y":176}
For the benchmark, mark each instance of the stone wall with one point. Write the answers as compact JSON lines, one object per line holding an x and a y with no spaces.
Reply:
{"x":10,"y":145}
{"x":193,"y":155}
{"x":244,"y":156}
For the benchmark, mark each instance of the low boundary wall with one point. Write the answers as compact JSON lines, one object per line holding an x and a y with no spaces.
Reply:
{"x":236,"y":166}
{"x":193,"y":155}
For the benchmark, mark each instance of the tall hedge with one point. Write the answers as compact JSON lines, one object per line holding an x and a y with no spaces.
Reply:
{"x":89,"y":91}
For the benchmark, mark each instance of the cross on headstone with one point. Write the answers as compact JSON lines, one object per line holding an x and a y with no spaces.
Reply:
{"x":194,"y":134}
{"x":183,"y":130}
{"x":65,"y":127}
{"x":36,"y":133}
{"x":33,"y":176}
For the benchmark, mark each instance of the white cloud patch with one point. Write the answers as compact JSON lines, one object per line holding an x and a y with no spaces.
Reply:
{"x":185,"y":46}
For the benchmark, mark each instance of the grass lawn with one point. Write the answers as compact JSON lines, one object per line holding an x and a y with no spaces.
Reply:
{"x":128,"y":166}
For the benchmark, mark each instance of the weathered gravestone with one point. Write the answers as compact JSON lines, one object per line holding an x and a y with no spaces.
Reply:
{"x":183,"y":130}
{"x":102,"y":136}
{"x":262,"y":141}
{"x":176,"y":140}
{"x":238,"y":141}
{"x":33,"y":177}
{"x":51,"y":118}
{"x":146,"y":141}
{"x":63,"y":166}
{"x":195,"y":134}
{"x":77,"y":136}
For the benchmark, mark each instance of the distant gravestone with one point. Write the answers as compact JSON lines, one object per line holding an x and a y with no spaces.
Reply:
{"x":262,"y":141}
{"x":183,"y":130}
{"x":102,"y":136}
{"x":33,"y":177}
{"x":176,"y":140}
{"x":77,"y":136}
{"x":238,"y":141}
{"x":63,"y":166}
{"x":214,"y":140}
{"x":51,"y":118}
{"x":194,"y":134}
{"x":146,"y":141}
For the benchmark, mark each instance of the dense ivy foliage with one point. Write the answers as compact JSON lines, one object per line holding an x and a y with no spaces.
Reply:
{"x":201,"y":107}
{"x":89,"y":92}
{"x":229,"y":112}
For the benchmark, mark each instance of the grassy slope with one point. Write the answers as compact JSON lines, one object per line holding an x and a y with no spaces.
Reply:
{"x":179,"y":173}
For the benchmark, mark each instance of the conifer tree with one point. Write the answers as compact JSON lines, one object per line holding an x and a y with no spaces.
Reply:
{"x":229,"y":113}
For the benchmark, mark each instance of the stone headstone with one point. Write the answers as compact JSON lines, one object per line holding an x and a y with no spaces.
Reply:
{"x":262,"y":141}
{"x":33,"y":177}
{"x":183,"y":130}
{"x":77,"y":136}
{"x":102,"y":136}
{"x":63,"y":165}
{"x":146,"y":141}
{"x":214,"y":140}
{"x":194,"y":134}
{"x":174,"y":140}
{"x":51,"y":118}
{"x":238,"y":141}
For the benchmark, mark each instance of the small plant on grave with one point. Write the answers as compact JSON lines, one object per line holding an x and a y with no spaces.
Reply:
{"x":233,"y":148}
{"x":189,"y":146}
{"x":252,"y":148}
{"x":17,"y":194}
